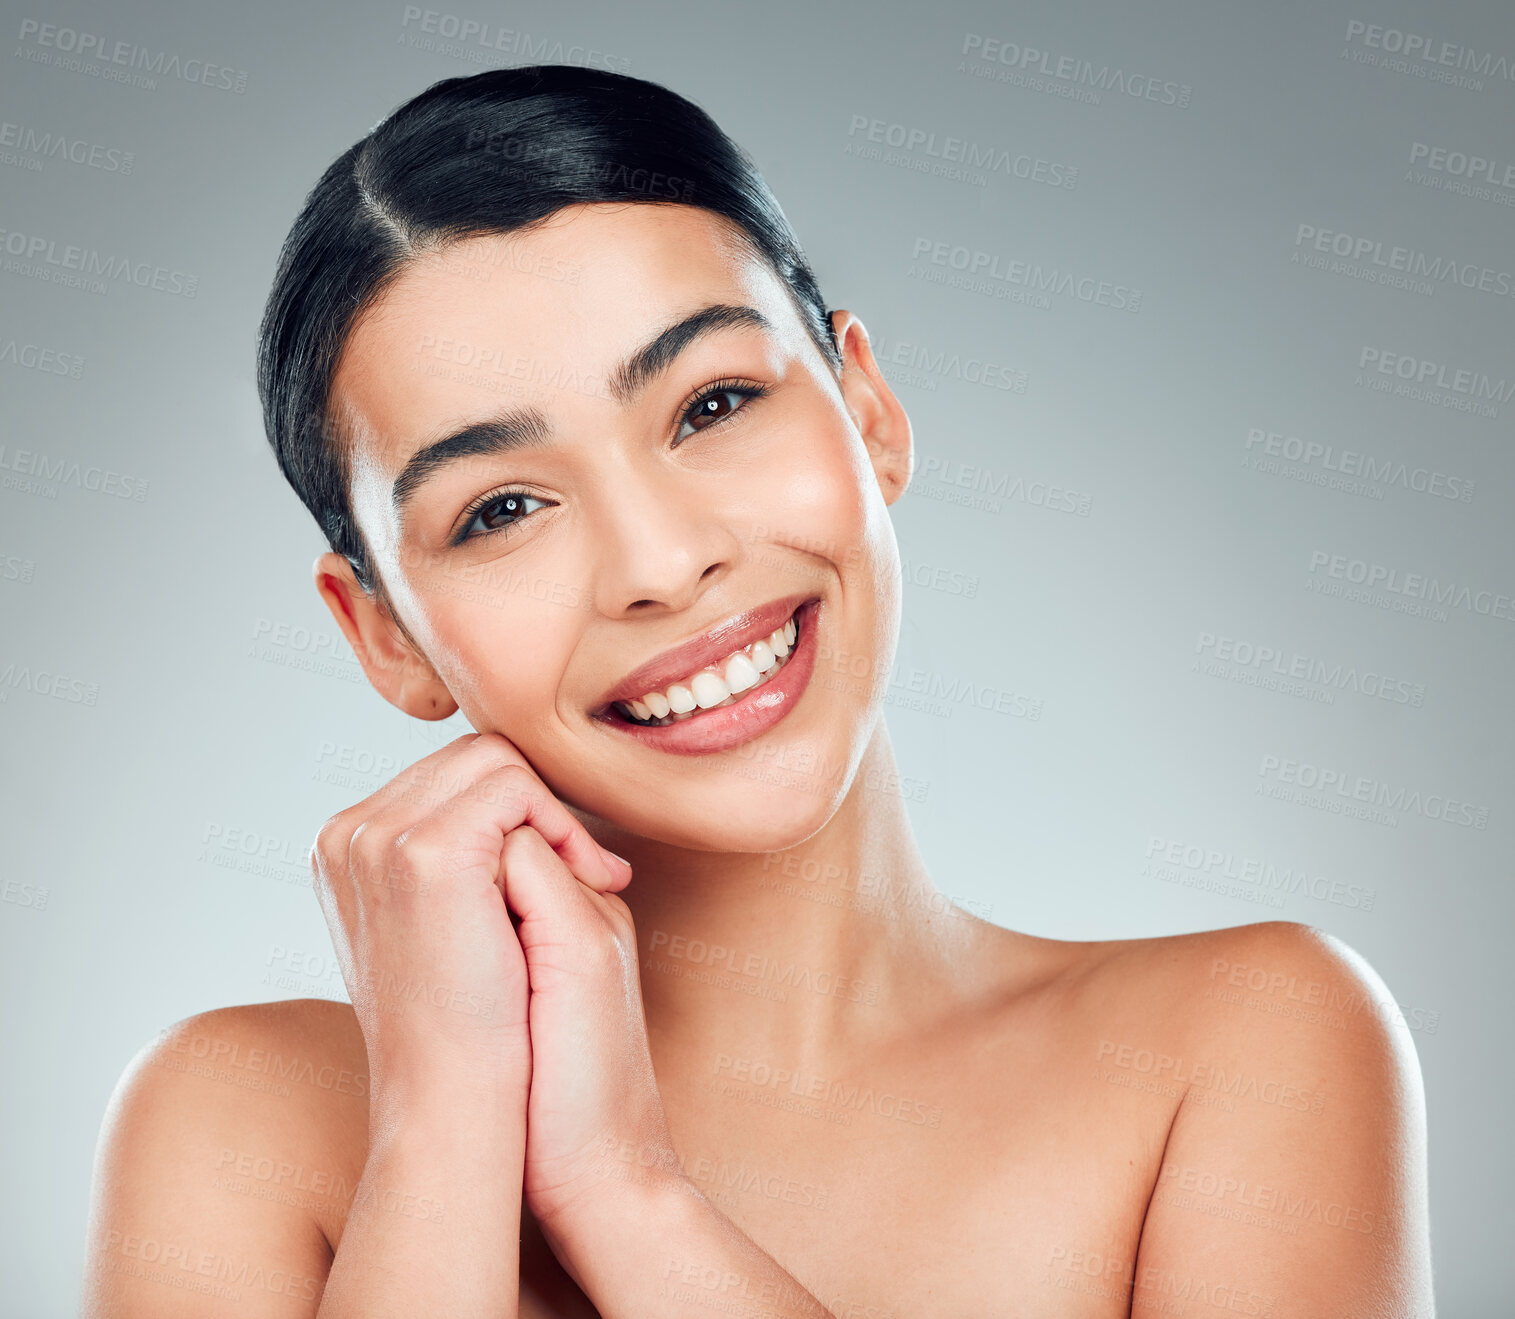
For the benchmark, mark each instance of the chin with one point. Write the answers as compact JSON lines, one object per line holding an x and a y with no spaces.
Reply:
{"x":756,"y":803}
{"x":770,"y":828}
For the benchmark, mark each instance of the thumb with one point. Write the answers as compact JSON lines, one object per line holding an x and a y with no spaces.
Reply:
{"x":561,"y":923}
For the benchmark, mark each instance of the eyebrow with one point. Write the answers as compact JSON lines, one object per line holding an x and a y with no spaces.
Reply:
{"x":530,"y":428}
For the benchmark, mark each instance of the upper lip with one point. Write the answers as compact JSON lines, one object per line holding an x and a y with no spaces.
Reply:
{"x":734,"y":633}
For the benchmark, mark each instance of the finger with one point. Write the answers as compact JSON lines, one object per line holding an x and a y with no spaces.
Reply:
{"x":457,"y":770}
{"x":465,"y":833}
{"x":426,"y":784}
{"x":430,"y":781}
{"x":618,"y":867}
{"x":401,"y":800}
{"x":556,"y":912}
{"x":521,"y":798}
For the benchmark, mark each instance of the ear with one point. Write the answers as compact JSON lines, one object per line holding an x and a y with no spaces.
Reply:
{"x":875,"y":411}
{"x":398,"y":672}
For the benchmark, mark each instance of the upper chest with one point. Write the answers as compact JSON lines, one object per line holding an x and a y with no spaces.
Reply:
{"x":998,"y":1167}
{"x":980,"y":1174}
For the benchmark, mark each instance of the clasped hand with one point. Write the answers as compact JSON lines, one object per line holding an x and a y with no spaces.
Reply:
{"x":486,"y":954}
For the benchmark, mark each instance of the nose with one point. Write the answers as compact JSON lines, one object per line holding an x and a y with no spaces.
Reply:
{"x":662,"y":543}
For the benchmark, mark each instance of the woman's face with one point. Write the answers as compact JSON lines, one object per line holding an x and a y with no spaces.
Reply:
{"x":649,"y":507}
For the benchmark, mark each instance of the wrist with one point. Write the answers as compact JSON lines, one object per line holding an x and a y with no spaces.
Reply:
{"x":660,"y":1234}
{"x":473,"y":1107}
{"x":428,"y":1046}
{"x":614,"y":1179}
{"x":620,"y":1220}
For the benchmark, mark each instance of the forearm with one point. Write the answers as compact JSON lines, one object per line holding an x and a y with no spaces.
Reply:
{"x":664,"y":1251}
{"x":435,"y":1226}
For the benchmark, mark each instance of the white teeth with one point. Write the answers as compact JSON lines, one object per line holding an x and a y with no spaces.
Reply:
{"x":741,"y":673}
{"x":718,"y":686}
{"x":709,"y":689}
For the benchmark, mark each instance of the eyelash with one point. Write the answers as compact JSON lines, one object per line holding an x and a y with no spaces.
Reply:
{"x":746,"y":389}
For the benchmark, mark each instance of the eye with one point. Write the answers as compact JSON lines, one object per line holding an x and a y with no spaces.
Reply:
{"x":710,"y":406}
{"x":497,"y":511}
{"x":500,"y":510}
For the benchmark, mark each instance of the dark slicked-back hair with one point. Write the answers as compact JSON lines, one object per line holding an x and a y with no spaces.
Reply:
{"x":493,"y":153}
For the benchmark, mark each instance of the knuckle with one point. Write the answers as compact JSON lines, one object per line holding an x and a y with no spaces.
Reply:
{"x":604,"y":951}
{"x":414,"y":848}
{"x":620,"y":914}
{"x":333,"y":834}
{"x":492,"y":744}
{"x":365,"y":844}
{"x":380,"y":858}
{"x":505,"y":754}
{"x":509,"y":784}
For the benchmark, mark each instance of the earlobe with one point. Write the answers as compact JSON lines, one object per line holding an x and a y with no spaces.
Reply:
{"x":398,"y":673}
{"x":879,"y":416}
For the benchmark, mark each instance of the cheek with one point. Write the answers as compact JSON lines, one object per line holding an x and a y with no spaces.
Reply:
{"x":502,"y":641}
{"x":825,"y":503}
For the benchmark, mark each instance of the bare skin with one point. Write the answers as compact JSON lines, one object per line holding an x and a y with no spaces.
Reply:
{"x":870,"y":1103}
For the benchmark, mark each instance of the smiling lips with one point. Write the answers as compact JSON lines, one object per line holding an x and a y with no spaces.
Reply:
{"x":713,"y":647}
{"x":724,"y":720}
{"x":722,"y":688}
{"x":716,"y":684}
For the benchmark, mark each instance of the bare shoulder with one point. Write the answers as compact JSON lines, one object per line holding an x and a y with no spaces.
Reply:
{"x":1276,"y":988}
{"x":314,"y":1042}
{"x":1294,"y":1164}
{"x":298,"y":1068}
{"x":229,"y":1151}
{"x":1283,"y":995}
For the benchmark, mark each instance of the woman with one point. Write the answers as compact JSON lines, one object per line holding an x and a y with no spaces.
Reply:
{"x":598,"y":468}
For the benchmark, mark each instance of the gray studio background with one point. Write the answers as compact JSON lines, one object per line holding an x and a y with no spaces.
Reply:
{"x":1137,"y":633}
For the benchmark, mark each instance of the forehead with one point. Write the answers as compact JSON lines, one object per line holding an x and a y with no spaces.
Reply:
{"x":537,"y":317}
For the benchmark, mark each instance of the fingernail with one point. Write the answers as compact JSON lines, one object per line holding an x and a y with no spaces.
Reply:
{"x":617,"y":856}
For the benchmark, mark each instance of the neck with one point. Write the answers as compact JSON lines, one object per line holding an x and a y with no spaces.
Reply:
{"x":794,"y":955}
